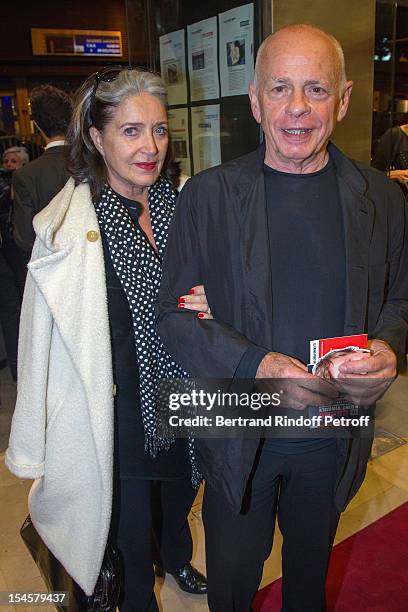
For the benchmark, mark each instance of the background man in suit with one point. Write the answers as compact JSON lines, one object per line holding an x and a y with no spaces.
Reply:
{"x":293,"y":242}
{"x":38,"y":182}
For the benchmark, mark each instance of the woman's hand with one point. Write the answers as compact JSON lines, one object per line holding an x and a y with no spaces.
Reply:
{"x":196,"y":300}
{"x":399,"y":175}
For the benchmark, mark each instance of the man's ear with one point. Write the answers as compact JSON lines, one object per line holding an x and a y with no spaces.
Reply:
{"x":43,"y":134}
{"x":96,"y":138}
{"x":344,"y":101}
{"x":253,"y":97}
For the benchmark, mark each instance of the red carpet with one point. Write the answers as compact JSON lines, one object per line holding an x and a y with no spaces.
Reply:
{"x":368,"y":571}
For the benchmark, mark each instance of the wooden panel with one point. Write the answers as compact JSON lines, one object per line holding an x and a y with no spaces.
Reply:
{"x":353,"y":24}
{"x":23,"y":112}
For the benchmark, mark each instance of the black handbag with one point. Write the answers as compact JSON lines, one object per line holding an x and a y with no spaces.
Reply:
{"x":106,"y":594}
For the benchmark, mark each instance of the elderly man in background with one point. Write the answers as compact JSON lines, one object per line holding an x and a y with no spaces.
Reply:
{"x":293,"y":242}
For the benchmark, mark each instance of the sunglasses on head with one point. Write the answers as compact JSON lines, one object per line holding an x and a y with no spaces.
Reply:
{"x":108,"y":74}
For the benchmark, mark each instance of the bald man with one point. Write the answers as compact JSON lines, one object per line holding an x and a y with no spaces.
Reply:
{"x":293,"y":242}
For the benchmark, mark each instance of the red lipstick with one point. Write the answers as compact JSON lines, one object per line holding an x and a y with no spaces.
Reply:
{"x":147,"y":166}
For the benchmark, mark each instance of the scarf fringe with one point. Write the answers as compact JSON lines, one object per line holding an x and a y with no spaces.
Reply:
{"x":154,"y":445}
{"x":196,"y":476}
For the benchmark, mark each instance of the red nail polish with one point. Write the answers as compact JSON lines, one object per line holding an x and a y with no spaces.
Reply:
{"x":180,"y":305}
{"x":201,"y":315}
{"x":181,"y":300}
{"x":191,"y":292}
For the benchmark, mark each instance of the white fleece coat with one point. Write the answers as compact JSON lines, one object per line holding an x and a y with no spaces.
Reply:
{"x":62,"y":430}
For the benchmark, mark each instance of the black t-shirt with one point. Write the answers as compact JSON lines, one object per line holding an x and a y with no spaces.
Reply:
{"x":308,"y":268}
{"x":307,"y":258}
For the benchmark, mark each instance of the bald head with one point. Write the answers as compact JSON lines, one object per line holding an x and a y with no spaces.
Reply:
{"x":299,"y":96}
{"x":293,"y":37}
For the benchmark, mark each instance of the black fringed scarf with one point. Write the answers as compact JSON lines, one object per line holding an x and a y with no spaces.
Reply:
{"x":139,"y":270}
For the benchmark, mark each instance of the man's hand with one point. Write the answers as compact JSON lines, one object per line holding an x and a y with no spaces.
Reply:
{"x":196,"y":300}
{"x":290,"y":378}
{"x":366,"y":380}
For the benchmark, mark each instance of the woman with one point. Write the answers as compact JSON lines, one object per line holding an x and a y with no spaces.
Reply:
{"x":88,"y":318}
{"x":392,"y":154}
{"x":10,"y":258}
{"x":14,"y":158}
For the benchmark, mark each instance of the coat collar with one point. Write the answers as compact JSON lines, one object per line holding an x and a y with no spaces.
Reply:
{"x":251,"y":207}
{"x":55,"y":150}
{"x":358,"y":218}
{"x":67,"y":267}
{"x":345,"y":168}
{"x":57,"y":224}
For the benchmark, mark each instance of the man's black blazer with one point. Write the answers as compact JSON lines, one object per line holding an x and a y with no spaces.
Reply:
{"x":34,"y":186}
{"x":219,"y":237}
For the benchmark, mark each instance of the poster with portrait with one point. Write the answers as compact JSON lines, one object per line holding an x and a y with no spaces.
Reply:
{"x":178,"y":128}
{"x":205,"y":135}
{"x":236,"y":53}
{"x":202,"y":60}
{"x":173,"y":66}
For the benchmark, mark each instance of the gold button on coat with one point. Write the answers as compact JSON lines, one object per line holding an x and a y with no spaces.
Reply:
{"x":92,"y":236}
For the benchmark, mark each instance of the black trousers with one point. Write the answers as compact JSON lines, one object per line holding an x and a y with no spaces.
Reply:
{"x":148,"y":515}
{"x":299,"y":489}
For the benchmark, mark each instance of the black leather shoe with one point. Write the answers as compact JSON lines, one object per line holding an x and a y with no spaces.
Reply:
{"x":188,"y":578}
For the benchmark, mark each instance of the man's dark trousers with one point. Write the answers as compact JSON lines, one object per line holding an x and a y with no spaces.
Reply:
{"x":299,"y":488}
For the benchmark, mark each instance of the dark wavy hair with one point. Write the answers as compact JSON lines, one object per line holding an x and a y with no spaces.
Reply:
{"x":94,"y":105}
{"x":51,"y":109}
